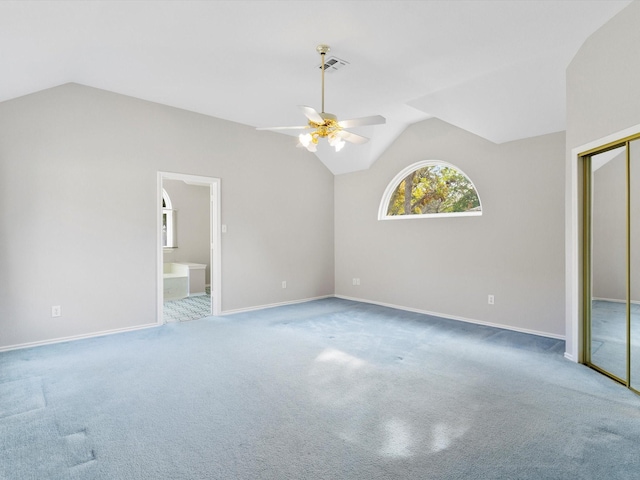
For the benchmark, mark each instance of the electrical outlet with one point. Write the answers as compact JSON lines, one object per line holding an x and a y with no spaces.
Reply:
{"x":357,"y":281}
{"x":491,"y":300}
{"x":354,"y":281}
{"x":284,"y":284}
{"x":56,"y":311}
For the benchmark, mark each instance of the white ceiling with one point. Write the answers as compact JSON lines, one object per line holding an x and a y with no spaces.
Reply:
{"x":495,"y":68}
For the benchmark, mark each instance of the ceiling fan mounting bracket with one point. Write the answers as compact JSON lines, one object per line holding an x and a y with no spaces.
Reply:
{"x":323,"y":49}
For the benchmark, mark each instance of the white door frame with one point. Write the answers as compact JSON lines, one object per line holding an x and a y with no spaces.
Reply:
{"x":215,"y":237}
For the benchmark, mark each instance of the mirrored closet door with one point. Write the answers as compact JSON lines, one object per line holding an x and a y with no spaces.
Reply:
{"x":612,"y":262}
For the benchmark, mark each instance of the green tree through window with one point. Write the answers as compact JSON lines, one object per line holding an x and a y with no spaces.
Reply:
{"x":434,"y":188}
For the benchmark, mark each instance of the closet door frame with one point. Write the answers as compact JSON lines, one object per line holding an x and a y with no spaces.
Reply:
{"x":587,"y":264}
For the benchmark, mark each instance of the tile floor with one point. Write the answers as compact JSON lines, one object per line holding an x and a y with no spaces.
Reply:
{"x":190,"y":308}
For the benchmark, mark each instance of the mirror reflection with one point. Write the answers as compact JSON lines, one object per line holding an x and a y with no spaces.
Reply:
{"x":608,"y":327}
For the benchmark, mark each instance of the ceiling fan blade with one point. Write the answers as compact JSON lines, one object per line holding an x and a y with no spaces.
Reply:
{"x":284,"y":128}
{"x":358,"y":122}
{"x":352,"y":137}
{"x":311,"y":114}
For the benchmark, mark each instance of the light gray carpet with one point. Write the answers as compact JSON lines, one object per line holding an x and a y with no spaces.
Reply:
{"x":609,"y":339}
{"x":329,"y":389}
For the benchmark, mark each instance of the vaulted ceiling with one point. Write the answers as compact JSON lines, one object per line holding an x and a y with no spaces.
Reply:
{"x":494,"y":68}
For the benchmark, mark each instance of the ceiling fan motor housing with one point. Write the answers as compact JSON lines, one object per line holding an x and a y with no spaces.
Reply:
{"x":329,"y":127}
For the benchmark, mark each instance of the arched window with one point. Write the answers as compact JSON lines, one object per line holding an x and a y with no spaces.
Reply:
{"x":430,"y":188}
{"x":169,"y":236}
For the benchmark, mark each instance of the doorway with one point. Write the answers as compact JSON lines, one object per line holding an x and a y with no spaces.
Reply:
{"x":612,"y":261}
{"x":184,"y":273}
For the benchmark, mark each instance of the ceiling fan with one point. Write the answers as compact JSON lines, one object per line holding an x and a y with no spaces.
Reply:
{"x":327,"y":125}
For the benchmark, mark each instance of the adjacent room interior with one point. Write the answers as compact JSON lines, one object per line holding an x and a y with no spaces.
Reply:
{"x":185,"y":294}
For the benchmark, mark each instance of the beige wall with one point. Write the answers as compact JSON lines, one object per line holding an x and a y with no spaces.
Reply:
{"x":450,"y":265}
{"x":603,"y":98}
{"x":78,"y":200}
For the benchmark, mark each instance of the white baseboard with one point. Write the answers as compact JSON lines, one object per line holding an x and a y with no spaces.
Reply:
{"x":612,"y":300}
{"x":615,"y":300}
{"x":271,"y":305}
{"x":454,"y":317}
{"x":76,"y":337}
{"x":568,"y":356}
{"x":293,"y":302}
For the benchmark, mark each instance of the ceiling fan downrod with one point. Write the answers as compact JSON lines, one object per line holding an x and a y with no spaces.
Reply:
{"x":322,"y":50}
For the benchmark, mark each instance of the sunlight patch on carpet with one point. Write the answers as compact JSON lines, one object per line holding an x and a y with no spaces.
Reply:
{"x":444,"y":435}
{"x":341,"y":358}
{"x":339,"y":379}
{"x":398,"y":439}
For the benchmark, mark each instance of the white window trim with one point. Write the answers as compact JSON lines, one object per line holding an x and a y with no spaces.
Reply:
{"x":391,"y":187}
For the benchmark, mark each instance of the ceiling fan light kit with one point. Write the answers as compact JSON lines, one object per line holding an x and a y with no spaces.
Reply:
{"x":329,"y":128}
{"x":326,"y":125}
